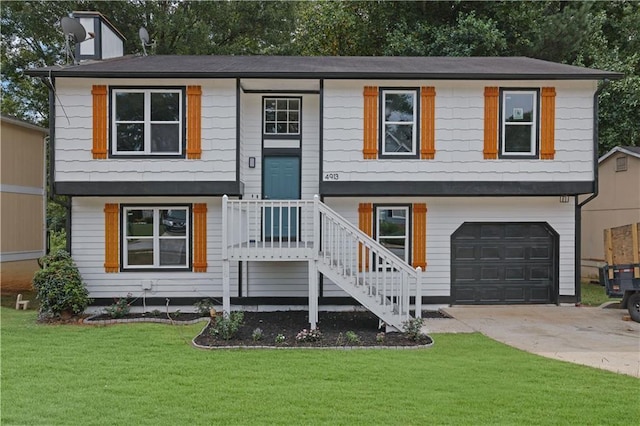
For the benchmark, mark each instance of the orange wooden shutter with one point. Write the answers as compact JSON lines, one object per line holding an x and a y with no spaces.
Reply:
{"x":427,"y":123}
{"x":99,"y":149}
{"x":420,"y":236}
{"x":548,"y":123}
{"x":365,"y":223}
{"x":370,"y":149}
{"x":200,"y":237}
{"x":194,"y":122}
{"x":111,"y":238}
{"x":490,"y":123}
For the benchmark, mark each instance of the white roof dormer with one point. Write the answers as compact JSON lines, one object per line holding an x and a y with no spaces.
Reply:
{"x":107,"y":41}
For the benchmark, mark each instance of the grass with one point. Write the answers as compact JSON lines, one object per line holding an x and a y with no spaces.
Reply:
{"x":594,"y":294}
{"x":149,"y":374}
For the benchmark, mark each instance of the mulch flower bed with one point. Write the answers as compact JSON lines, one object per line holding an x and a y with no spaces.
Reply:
{"x":347,"y":329}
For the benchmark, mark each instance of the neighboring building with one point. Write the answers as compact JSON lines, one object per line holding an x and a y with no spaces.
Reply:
{"x":468,"y":168}
{"x":22,"y":201}
{"x":617,"y":203}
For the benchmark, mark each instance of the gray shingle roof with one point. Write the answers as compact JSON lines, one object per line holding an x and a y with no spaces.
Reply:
{"x":629,"y":150}
{"x":345,"y":67}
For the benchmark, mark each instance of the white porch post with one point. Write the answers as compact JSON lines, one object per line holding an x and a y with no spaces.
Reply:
{"x":419,"y":293}
{"x":313,"y":266}
{"x":226,"y":292}
{"x":313,"y":294}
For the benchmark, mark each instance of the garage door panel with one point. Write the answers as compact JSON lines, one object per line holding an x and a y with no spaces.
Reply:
{"x":503,"y":263}
{"x":515,"y":273}
{"x":465,"y":274}
{"x":490,"y":294}
{"x":540,"y":294}
{"x":490,"y":252}
{"x":544,"y":253}
{"x":488,"y":273}
{"x":514,"y":294}
{"x":541,"y":273}
{"x":465,"y":294}
{"x":491,"y":231}
{"x":514,"y":252}
{"x":465,"y":252}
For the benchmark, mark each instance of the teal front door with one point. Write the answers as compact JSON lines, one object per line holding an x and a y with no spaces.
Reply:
{"x":281,"y":181}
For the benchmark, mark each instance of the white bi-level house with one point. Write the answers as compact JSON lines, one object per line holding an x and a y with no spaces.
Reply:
{"x":262,"y":182}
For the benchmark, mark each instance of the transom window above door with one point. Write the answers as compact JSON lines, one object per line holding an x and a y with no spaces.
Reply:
{"x":281,"y":116}
{"x":147,"y":122}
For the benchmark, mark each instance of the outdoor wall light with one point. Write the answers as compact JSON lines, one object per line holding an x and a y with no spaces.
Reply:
{"x":252,"y":162}
{"x":564,"y":198}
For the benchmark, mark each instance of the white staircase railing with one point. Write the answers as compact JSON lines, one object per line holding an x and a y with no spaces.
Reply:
{"x":368,"y":271}
{"x":311,"y":230}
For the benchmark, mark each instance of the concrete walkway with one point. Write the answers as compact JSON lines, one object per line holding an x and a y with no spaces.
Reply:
{"x":595,"y":337}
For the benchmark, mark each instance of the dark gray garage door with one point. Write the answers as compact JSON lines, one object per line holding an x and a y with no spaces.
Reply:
{"x":504,"y":263}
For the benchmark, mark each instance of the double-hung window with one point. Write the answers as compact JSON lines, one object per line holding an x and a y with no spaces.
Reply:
{"x":147,"y":121}
{"x":156,"y":237}
{"x":392,"y":229}
{"x":519,"y":123}
{"x":399,"y":136}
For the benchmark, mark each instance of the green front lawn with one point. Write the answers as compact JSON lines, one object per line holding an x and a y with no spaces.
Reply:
{"x":149,"y":374}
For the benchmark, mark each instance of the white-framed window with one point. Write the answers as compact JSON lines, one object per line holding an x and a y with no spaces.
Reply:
{"x":392,"y":229}
{"x":156,"y":237}
{"x":281,"y":116}
{"x":519,"y":123}
{"x":399,"y":122}
{"x":147,"y":121}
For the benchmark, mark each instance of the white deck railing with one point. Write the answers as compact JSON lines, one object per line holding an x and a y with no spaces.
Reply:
{"x":267,"y":229}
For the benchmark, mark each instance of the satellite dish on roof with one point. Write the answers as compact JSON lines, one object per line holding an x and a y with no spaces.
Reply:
{"x":74,"y":32}
{"x":144,"y":39}
{"x":73,"y":29}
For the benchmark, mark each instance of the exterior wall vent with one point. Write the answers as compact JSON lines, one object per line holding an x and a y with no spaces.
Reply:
{"x":107,"y":43}
{"x":621,"y":164}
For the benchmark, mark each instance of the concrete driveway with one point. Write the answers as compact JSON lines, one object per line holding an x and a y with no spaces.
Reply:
{"x":595,"y":337}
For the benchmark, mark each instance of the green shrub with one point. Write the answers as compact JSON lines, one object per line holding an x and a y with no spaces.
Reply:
{"x":57,"y":241}
{"x":120,"y":308}
{"x":413,"y":329}
{"x":59,"y":287}
{"x":227,"y":326}
{"x":257,"y":334}
{"x":352,"y":338}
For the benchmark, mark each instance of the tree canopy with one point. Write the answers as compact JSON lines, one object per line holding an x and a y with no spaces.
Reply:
{"x":603,"y":35}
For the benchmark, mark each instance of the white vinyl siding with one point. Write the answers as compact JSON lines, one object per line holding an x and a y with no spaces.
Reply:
{"x":74,"y":133}
{"x":88,"y":252}
{"x":445,"y":215}
{"x":459,"y":135}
